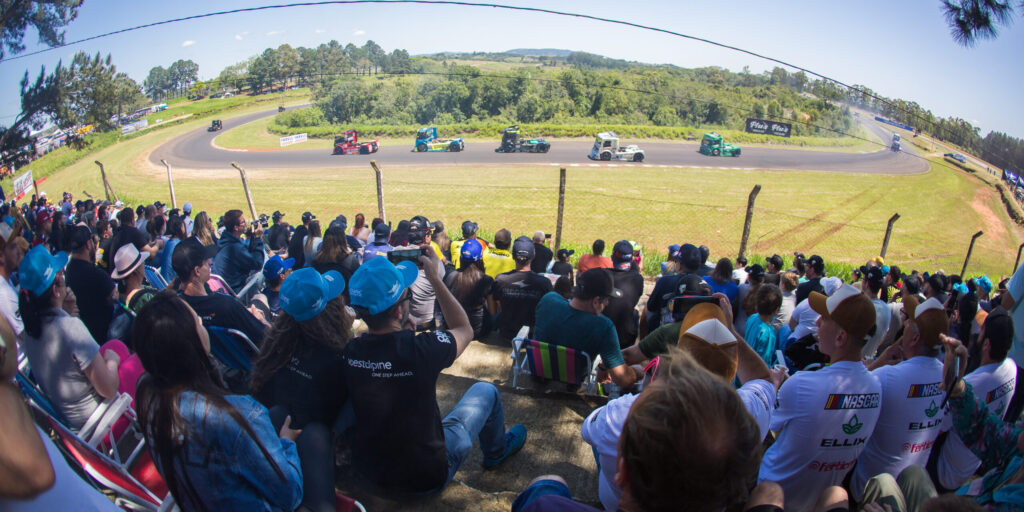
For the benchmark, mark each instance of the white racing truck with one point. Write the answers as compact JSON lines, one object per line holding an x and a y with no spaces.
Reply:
{"x":606,"y":147}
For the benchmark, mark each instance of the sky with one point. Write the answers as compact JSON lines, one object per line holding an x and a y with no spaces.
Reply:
{"x":899,"y":49}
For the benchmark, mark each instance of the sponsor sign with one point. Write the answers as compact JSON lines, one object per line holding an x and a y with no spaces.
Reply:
{"x":765,"y":127}
{"x":23,"y":183}
{"x":134,"y":127}
{"x":894,"y":123}
{"x":293,"y":139}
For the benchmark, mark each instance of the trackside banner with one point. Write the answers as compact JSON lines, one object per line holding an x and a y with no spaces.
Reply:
{"x":293,"y":139}
{"x":23,"y":183}
{"x":765,"y":127}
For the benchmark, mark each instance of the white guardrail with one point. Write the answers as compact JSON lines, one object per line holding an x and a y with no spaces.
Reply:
{"x":293,"y":139}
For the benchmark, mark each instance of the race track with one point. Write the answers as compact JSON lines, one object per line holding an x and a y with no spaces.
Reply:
{"x":195,"y":150}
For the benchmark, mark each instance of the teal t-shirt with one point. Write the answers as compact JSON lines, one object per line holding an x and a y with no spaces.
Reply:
{"x":558,"y":323}
{"x":762,"y":338}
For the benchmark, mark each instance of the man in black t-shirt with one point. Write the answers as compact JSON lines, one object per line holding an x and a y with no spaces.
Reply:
{"x":815,"y":270}
{"x":401,"y":443}
{"x":295,"y":249}
{"x":277,"y":234}
{"x":562,"y":267}
{"x":517,"y":292}
{"x":666,"y":287}
{"x":93,"y":287}
{"x":542,"y":255}
{"x":621,"y":310}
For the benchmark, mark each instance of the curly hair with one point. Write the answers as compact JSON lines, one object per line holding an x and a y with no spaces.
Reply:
{"x":332,"y":328}
{"x":689,"y":439}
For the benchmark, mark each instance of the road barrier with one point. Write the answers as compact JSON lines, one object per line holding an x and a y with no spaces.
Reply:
{"x":293,"y":139}
{"x":894,"y":123}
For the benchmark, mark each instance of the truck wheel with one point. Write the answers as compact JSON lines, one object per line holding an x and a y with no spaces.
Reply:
{"x":736,"y":153}
{"x":544,"y":148}
{"x":714,"y":152}
{"x":606,"y":156}
{"x":454,"y":147}
{"x":639,"y":157}
{"x":421,"y":147}
{"x":364,"y":150}
{"x":336,"y":152}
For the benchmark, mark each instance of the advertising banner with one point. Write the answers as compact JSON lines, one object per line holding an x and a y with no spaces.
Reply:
{"x":23,"y":183}
{"x":765,"y":127}
{"x":293,"y":139}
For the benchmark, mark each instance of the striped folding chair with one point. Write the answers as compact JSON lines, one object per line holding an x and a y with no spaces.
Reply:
{"x":553,"y":362}
{"x":154,"y":278}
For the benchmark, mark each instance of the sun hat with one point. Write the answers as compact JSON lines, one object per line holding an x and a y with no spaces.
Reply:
{"x":306,"y":292}
{"x":126,"y":261}
{"x":39,"y":268}
{"x":378,"y":284}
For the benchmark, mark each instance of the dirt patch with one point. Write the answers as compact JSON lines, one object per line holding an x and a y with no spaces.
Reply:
{"x":993,"y":224}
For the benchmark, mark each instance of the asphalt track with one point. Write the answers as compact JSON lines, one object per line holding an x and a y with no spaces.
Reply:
{"x":195,"y":150}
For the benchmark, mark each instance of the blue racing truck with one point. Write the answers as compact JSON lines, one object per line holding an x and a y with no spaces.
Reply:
{"x":426,"y":140}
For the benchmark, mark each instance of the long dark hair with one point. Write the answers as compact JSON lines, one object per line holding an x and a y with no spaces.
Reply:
{"x":723,"y":271}
{"x":314,"y":233}
{"x":334,"y":247}
{"x":749,"y":304}
{"x":34,"y":310}
{"x":360,"y":222}
{"x":466,"y":279}
{"x":168,"y":344}
{"x":332,"y":328}
{"x":441,"y":237}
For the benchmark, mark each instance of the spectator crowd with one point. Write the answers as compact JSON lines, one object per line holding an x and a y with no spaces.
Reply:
{"x":258,"y":357}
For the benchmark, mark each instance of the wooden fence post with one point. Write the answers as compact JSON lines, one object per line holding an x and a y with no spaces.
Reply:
{"x":170,"y":183}
{"x":107,"y":189}
{"x":248,"y":193}
{"x":748,"y":219}
{"x":970,"y":249}
{"x":380,"y":190}
{"x":1016,"y":263}
{"x":561,"y":208}
{"x":888,"y":234}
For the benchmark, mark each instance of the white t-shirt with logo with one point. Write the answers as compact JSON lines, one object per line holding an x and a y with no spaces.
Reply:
{"x":823,"y":419}
{"x":882,"y":317}
{"x":758,"y":397}
{"x":994,"y":383}
{"x":9,"y":306}
{"x":806,"y":319}
{"x":910,"y":420}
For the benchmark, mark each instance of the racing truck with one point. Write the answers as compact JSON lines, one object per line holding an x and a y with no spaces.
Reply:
{"x":512,"y":142}
{"x":895,"y":146}
{"x":712,"y":145}
{"x":348,"y":144}
{"x":426,"y":140}
{"x":606,"y":147}
{"x":215,"y":125}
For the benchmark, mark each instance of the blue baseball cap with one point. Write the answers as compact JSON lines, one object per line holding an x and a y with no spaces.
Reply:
{"x":39,"y":268}
{"x":306,"y":292}
{"x":472,"y":250}
{"x":378,"y":284}
{"x":275,"y":266}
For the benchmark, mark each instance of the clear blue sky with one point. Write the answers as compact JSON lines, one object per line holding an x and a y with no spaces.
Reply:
{"x":900,"y":49}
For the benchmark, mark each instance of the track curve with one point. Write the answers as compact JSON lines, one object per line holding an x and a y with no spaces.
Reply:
{"x":195,"y":150}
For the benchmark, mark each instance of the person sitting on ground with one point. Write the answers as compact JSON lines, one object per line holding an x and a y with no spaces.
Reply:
{"x":311,"y":242}
{"x":379,"y":245}
{"x":296,"y":250}
{"x":469,"y":230}
{"x":542,"y":254}
{"x":760,"y":333}
{"x":815,"y":270}
{"x":561,"y":266}
{"x":300,"y":373}
{"x":58,"y":232}
{"x":871,"y":285}
{"x":203,"y":230}
{"x":155,"y":229}
{"x":739,"y":270}
{"x":621,"y":309}
{"x":935,"y":286}
{"x":44,"y":225}
{"x":354,"y":244}
{"x":498,"y":259}
{"x":787,"y":285}
{"x":579,"y":324}
{"x":74,"y":372}
{"x":705,"y":269}
{"x":278,"y":234}
{"x":360,"y":230}
{"x":236,"y":259}
{"x":517,"y":292}
{"x":275,"y":270}
{"x":176,"y":233}
{"x":401,"y":442}
{"x":773,"y":269}
{"x":994,"y":382}
{"x":422,"y":295}
{"x":192,"y":263}
{"x":838,"y":404}
{"x":595,"y":259}
{"x":129,"y":273}
{"x":188,"y":416}
{"x":400,"y":235}
{"x":335,"y":254}
{"x":91,"y":285}
{"x":746,"y":296}
{"x":440,"y":238}
{"x":660,"y":340}
{"x":671,"y":459}
{"x":911,"y":415}
{"x":472,"y":287}
{"x":720,"y":280}
{"x":12,"y":250}
{"x":658,"y":313}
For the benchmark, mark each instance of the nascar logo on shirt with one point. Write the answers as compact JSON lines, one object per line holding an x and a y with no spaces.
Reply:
{"x":925,"y":390}
{"x":859,"y":401}
{"x":999,"y":392}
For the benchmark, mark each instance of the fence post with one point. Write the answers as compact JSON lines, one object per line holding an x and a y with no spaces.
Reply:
{"x":888,"y":233}
{"x":1019,"y":249}
{"x":107,"y":189}
{"x":748,"y":219}
{"x":380,"y":190}
{"x":561,"y":208}
{"x":170,"y":183}
{"x":248,"y":193}
{"x":970,"y":248}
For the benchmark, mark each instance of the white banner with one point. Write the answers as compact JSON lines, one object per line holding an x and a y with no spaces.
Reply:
{"x":134,"y":127}
{"x":293,"y":139}
{"x":23,"y":183}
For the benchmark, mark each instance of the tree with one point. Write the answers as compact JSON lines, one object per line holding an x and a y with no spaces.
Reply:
{"x":971,"y":20}
{"x":48,"y":17}
{"x":182,"y":73}
{"x":157,"y":83}
{"x":774,"y":110}
{"x":375,"y":54}
{"x":287,"y":63}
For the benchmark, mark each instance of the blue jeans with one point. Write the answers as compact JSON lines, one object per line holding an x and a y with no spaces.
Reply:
{"x":477,"y":415}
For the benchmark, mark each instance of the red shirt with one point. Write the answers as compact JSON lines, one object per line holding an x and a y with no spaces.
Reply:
{"x":589,"y":261}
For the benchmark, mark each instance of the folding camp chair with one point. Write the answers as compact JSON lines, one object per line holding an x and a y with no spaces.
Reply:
{"x":218,"y":284}
{"x":252,"y":286}
{"x":232,"y":347}
{"x":155,"y":279}
{"x":550,"y":361}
